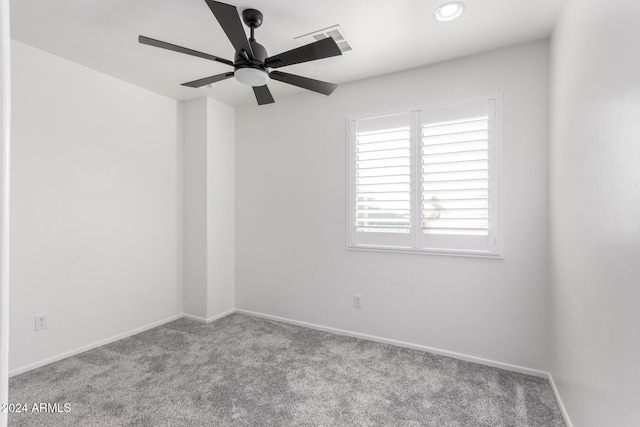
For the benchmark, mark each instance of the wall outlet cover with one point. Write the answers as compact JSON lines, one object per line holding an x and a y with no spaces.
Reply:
{"x":41,"y":322}
{"x":357,"y":301}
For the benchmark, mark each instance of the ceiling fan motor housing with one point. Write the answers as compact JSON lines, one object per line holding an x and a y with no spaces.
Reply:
{"x":259,"y":56}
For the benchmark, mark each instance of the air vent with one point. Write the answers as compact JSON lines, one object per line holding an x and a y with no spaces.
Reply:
{"x":336,"y":32}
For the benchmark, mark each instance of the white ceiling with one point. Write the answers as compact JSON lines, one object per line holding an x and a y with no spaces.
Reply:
{"x":386,"y":36}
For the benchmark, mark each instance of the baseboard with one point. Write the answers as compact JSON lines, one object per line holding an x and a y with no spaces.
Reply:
{"x":88,"y":347}
{"x":556,"y":393}
{"x":209,"y":319}
{"x":460,"y":356}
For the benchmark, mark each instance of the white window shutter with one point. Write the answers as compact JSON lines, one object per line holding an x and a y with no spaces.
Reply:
{"x":457,"y":203}
{"x":381,"y":162}
{"x":427,"y":180}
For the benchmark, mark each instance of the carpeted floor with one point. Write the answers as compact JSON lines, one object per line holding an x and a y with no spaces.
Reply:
{"x":246,"y":371}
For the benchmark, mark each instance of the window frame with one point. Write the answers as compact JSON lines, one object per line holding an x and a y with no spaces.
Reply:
{"x":415,"y":233}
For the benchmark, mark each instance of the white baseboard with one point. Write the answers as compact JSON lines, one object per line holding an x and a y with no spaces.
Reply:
{"x":209,"y":319}
{"x":460,"y":356}
{"x":91,"y":346}
{"x":563,"y":410}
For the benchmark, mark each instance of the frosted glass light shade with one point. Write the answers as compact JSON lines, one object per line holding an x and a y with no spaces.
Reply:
{"x":251,"y":76}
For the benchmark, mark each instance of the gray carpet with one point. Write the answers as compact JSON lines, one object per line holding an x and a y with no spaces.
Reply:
{"x":246,"y":371}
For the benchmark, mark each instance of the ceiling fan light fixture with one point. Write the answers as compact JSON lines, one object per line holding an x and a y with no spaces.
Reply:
{"x":251,"y":76}
{"x":449,"y":11}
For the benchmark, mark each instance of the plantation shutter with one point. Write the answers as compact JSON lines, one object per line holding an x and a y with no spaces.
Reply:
{"x":455,"y":171}
{"x":382,"y":169}
{"x":426,"y":180}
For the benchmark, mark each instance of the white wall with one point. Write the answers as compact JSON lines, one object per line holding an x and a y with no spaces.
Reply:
{"x":209,"y":142}
{"x":291,"y":184}
{"x":595,"y":212}
{"x":195,"y":208}
{"x":94,"y":206}
{"x":220,"y":202}
{"x":5,"y":120}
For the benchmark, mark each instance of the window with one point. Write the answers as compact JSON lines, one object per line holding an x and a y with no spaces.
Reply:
{"x":427,"y":180}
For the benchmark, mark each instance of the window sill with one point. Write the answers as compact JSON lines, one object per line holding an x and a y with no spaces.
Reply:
{"x":441,"y":252}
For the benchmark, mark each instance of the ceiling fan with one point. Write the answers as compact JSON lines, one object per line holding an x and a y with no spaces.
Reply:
{"x":251,"y":62}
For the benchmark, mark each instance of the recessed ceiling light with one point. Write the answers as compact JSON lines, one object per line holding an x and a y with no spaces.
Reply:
{"x":449,"y":11}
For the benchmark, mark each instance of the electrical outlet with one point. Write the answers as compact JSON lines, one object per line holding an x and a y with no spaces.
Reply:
{"x":41,"y":322}
{"x":357,"y":301}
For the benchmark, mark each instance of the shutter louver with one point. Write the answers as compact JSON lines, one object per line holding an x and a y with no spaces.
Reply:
{"x":455,"y":177}
{"x":382,"y":160}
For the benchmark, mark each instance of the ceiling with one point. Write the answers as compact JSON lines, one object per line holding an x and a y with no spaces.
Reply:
{"x":386,"y":36}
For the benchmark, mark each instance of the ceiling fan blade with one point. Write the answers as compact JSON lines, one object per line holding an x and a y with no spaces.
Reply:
{"x":227,"y":16}
{"x":304,"y":82}
{"x":164,"y":45}
{"x":208,"y":80}
{"x":324,"y":48}
{"x":263,"y":95}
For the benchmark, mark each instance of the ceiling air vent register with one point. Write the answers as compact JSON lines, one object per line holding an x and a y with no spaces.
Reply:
{"x":336,"y":32}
